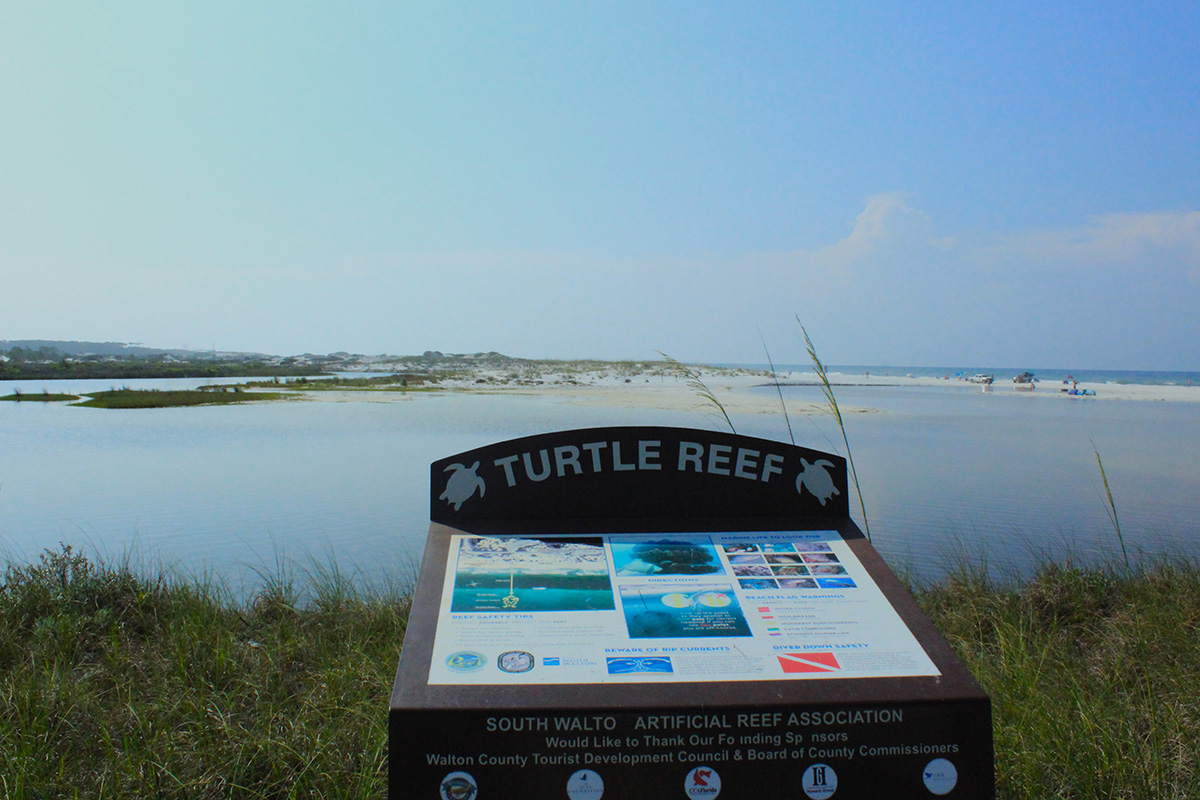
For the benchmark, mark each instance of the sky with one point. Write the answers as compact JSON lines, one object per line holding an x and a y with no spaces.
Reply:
{"x":934,"y":183}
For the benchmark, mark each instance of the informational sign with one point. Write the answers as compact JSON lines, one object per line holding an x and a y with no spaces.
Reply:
{"x":648,"y":612}
{"x":654,"y":608}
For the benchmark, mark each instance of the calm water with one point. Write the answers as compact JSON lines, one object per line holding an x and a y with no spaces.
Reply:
{"x":232,"y":490}
{"x":1005,"y":374}
{"x":949,"y":470}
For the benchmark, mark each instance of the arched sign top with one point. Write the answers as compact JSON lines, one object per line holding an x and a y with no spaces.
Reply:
{"x":638,"y":472}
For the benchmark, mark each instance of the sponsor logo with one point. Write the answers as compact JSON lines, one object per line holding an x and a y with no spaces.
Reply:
{"x":940,"y":776}
{"x":458,"y":786}
{"x":819,"y":781}
{"x":702,"y":782}
{"x":624,"y":666}
{"x":585,"y":785}
{"x":808,"y":662}
{"x":515,"y":661}
{"x":551,"y":661}
{"x":466,"y":661}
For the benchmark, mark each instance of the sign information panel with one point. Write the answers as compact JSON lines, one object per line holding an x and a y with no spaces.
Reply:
{"x":646,"y":608}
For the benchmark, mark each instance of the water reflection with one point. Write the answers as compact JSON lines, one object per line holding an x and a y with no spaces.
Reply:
{"x":232,"y":490}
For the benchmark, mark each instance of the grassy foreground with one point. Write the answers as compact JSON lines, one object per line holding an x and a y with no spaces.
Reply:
{"x":115,"y":685}
{"x":1093,"y":675}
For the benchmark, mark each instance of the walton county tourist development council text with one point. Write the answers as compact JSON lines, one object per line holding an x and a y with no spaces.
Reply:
{"x":693,"y":738}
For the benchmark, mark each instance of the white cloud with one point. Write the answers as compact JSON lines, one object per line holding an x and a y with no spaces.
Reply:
{"x":888,"y":224}
{"x":891,"y":289}
{"x":889,"y":236}
{"x":1117,"y":238}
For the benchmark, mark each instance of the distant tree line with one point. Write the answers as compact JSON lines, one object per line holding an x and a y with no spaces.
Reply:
{"x":21,"y":355}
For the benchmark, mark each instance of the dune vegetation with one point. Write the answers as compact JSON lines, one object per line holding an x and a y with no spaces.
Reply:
{"x":155,"y":398}
{"x":118,"y":683}
{"x":40,"y":397}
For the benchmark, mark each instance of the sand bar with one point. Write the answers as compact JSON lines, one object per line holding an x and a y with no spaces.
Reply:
{"x":750,"y":392}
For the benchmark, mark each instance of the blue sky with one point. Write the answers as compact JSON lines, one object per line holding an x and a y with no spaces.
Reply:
{"x":1008,"y":184}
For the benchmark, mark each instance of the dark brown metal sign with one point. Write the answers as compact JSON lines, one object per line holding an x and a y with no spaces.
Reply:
{"x":663,"y":612}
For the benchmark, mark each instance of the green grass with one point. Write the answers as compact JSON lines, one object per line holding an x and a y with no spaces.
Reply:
{"x":39,"y":397}
{"x":696,"y":383}
{"x":394,"y":382}
{"x":120,"y":686}
{"x":153,"y":398}
{"x":1093,"y":675}
{"x":836,"y":411}
{"x":117,"y":685}
{"x":151,"y":367}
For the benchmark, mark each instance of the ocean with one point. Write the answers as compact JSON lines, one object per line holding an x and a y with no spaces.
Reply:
{"x":1005,"y":374}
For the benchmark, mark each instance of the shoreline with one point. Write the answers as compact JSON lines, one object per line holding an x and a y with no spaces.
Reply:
{"x":749,"y":392}
{"x":658,"y":386}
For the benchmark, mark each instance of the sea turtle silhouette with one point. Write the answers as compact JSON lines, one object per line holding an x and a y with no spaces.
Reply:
{"x":818,"y":482}
{"x":462,"y":484}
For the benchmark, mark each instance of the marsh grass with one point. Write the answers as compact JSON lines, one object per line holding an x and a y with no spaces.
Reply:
{"x":39,"y":397}
{"x":121,"y":683}
{"x":1092,"y":675}
{"x":1154,"y":740}
{"x":696,"y":383}
{"x":836,"y":411}
{"x":155,"y":398}
{"x":393,"y":382}
{"x":113,"y":684}
{"x":778,"y":389}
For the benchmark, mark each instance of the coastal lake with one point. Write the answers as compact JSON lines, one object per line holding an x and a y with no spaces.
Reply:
{"x":246,"y":491}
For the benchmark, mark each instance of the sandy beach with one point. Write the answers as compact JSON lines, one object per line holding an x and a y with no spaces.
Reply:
{"x":749,"y":392}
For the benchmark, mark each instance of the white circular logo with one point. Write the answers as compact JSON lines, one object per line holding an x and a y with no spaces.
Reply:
{"x":702,"y":782}
{"x":819,"y":781}
{"x":940,"y":776}
{"x":585,"y":785}
{"x":515,"y":661}
{"x":458,"y":786}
